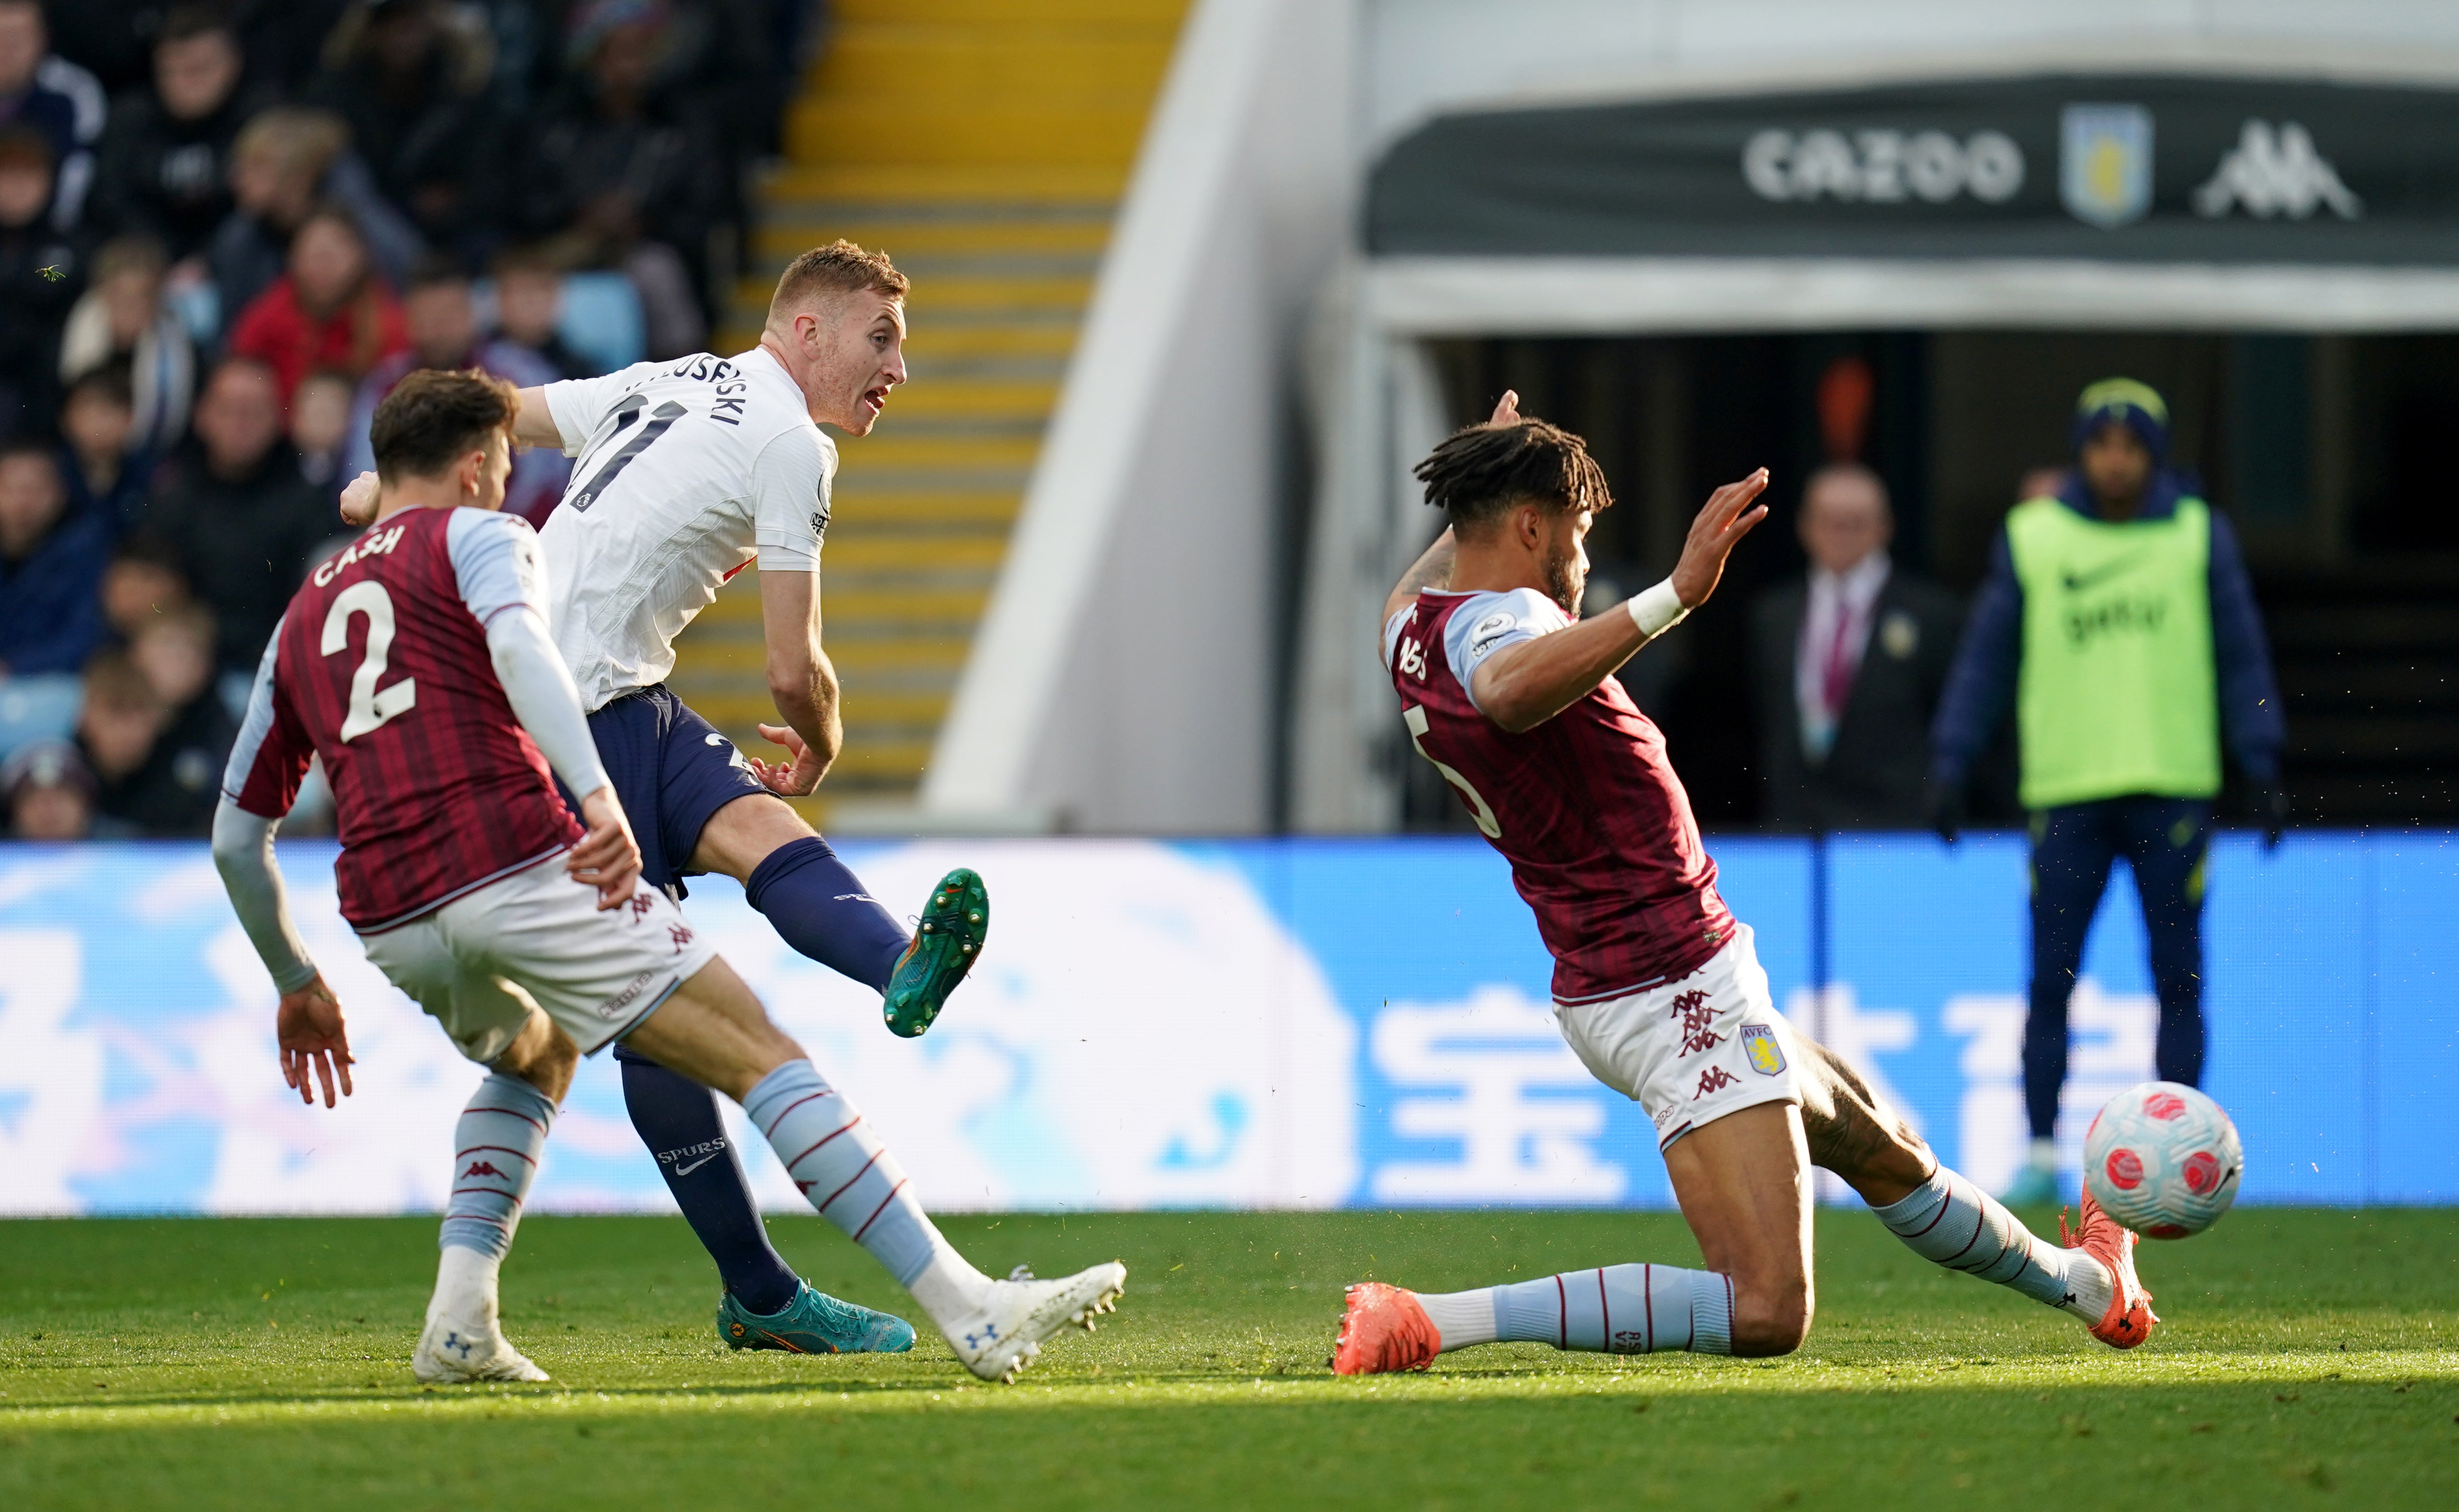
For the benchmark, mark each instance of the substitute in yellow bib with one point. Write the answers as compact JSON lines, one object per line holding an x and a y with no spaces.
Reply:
{"x":2118,"y":624}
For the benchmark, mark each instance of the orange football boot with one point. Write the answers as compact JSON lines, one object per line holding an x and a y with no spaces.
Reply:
{"x":2130,"y":1318}
{"x":1383,"y":1329}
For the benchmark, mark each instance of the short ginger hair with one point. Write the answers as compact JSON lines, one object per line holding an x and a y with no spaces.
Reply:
{"x":840,"y":268}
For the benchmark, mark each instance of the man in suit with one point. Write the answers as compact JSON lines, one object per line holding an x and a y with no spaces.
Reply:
{"x":1848,"y":661}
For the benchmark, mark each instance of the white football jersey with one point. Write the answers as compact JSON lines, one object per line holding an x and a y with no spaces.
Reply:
{"x":685,"y":473}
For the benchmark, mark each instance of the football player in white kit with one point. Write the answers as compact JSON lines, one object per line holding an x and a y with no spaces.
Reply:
{"x":684,"y":473}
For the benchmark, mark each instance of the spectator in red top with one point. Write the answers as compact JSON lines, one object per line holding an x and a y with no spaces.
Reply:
{"x":331,"y":310}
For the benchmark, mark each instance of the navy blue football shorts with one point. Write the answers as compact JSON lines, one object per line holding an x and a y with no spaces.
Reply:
{"x":672,"y":771}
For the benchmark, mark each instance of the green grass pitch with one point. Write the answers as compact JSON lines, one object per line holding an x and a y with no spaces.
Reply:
{"x":2306,"y":1359}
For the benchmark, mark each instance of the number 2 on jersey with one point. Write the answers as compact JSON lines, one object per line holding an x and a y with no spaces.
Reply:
{"x":1416,"y":719}
{"x":371,"y":707}
{"x":660,"y":420}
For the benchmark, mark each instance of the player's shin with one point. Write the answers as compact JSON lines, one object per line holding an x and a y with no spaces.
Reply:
{"x":678,"y":1118}
{"x":819,"y":907}
{"x":496,"y":1145}
{"x":1614,"y":1310}
{"x":1949,"y":1220}
{"x":850,"y":1178}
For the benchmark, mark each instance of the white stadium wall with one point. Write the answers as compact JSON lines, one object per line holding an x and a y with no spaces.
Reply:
{"x":1122,"y":680}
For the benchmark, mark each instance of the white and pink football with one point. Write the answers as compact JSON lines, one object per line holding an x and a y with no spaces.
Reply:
{"x":2163,"y":1160}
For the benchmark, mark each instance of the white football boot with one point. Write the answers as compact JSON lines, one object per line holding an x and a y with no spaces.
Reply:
{"x":471,"y":1347}
{"x":451,"y":1351}
{"x":1017,"y":1316}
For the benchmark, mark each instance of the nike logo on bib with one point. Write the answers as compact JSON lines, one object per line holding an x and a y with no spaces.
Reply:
{"x":2077,"y":583}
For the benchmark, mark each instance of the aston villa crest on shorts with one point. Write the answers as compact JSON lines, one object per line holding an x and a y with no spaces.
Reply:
{"x":2105,"y":163}
{"x":1758,"y":1043}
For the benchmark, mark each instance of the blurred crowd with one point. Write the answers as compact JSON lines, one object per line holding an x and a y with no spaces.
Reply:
{"x":226,"y":231}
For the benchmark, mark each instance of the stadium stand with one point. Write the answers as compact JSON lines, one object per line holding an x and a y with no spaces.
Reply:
{"x":1016,"y":126}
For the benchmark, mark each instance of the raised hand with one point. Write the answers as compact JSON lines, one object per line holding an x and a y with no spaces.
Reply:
{"x":1506,"y":410}
{"x":1719,"y":527}
{"x":607,"y":858}
{"x":307,"y":1025}
{"x":794,"y":777}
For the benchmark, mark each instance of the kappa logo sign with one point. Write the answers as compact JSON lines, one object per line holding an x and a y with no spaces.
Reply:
{"x":2275,"y":173}
{"x":483,"y":1168}
{"x":1882,"y":167}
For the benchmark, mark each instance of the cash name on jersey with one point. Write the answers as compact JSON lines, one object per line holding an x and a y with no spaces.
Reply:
{"x":377,"y":544}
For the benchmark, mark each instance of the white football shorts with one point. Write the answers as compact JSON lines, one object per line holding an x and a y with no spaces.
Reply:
{"x":537,"y":942}
{"x":1691,"y":1051}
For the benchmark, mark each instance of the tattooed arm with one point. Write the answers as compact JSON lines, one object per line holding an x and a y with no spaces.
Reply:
{"x":1432,"y":570}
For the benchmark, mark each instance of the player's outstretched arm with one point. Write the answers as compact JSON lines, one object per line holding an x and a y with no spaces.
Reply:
{"x":1524,"y":685}
{"x":801,"y":682}
{"x":309,"y":1022}
{"x":534,"y":425}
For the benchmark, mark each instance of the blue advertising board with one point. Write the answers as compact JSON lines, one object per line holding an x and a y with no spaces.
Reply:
{"x":1283,"y":1023}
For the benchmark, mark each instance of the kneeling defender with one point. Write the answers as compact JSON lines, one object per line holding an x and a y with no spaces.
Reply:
{"x":1656,"y":987}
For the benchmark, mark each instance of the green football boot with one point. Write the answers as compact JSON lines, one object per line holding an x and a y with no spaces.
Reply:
{"x":950,"y":940}
{"x":813,"y":1323}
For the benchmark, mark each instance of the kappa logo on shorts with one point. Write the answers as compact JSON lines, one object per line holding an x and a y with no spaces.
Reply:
{"x":613,"y":1007}
{"x":1716,"y":1079}
{"x":1758,"y":1043}
{"x":1698,"y":1014}
{"x":641,"y":906}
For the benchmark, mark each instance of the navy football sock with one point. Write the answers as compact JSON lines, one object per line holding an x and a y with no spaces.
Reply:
{"x":678,"y":1118}
{"x":819,"y":907}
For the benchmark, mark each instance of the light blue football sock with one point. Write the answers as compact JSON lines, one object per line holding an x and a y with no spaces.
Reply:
{"x":842,"y":1169}
{"x":496,"y":1156}
{"x":1948,"y":1220}
{"x":1614,"y":1310}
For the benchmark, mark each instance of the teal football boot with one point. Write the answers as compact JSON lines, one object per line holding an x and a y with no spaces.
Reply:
{"x":950,"y":940}
{"x":813,"y":1323}
{"x":2033,"y":1187}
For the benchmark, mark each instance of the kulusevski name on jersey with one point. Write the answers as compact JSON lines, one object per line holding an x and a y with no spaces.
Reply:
{"x":685,"y":472}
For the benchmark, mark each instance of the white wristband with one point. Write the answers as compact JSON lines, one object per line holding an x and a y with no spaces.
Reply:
{"x":1656,"y":610}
